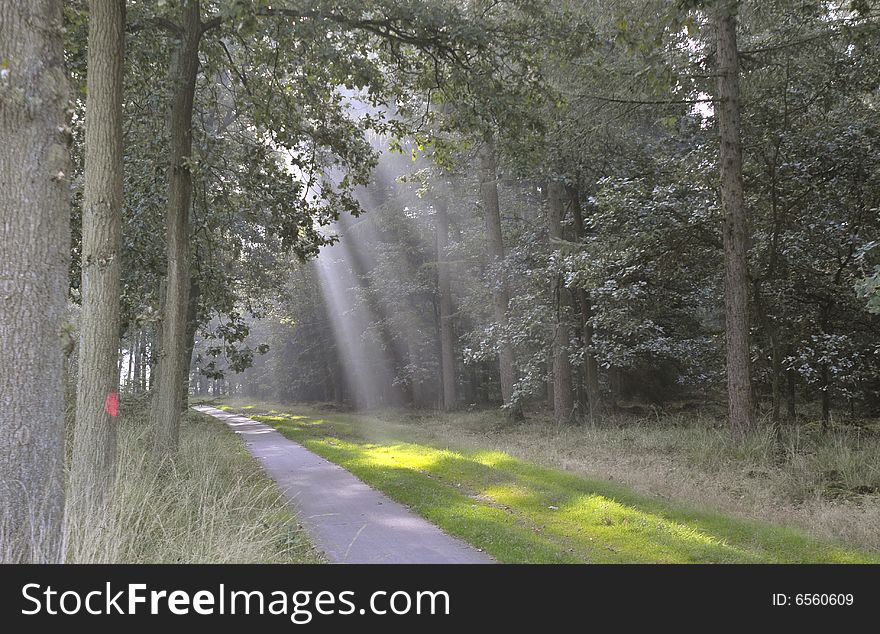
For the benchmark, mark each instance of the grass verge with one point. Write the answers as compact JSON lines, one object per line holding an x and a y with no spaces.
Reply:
{"x":522,"y":512}
{"x":211,"y":504}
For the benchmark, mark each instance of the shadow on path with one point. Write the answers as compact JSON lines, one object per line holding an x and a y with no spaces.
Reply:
{"x":349,"y":521}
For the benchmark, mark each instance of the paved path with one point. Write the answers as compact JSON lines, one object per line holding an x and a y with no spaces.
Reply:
{"x":348,"y":520}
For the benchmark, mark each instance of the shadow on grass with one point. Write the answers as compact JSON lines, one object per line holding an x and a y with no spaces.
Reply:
{"x":523,"y":513}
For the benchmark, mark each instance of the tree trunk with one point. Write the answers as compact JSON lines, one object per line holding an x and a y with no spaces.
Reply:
{"x":192,"y":324}
{"x":500,"y":295}
{"x":775,"y":377}
{"x":147,"y":345}
{"x":128,"y":371}
{"x":168,"y":404}
{"x":767,"y":325}
{"x":156,"y":345}
{"x":146,"y":351}
{"x":34,"y":260}
{"x":791,"y":406}
{"x":615,"y":384}
{"x":563,"y":403}
{"x":93,"y":461}
{"x":591,"y":366}
{"x":826,"y":397}
{"x":137,"y":353}
{"x":740,"y":402}
{"x":447,"y":333}
{"x":132,"y":351}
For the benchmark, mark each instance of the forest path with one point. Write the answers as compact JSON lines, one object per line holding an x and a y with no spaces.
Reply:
{"x":349,"y":521}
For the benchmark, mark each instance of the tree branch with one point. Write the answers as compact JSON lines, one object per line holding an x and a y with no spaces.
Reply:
{"x":159,"y":23}
{"x":646,"y":102}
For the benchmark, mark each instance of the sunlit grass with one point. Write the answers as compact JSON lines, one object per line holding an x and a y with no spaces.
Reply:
{"x":521,"y":512}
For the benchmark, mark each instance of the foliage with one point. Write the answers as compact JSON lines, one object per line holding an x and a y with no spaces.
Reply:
{"x":309,"y":113}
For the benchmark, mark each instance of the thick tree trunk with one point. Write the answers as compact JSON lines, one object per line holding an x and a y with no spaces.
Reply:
{"x":563,"y":403}
{"x":168,"y":404}
{"x":93,"y":461}
{"x":34,"y":259}
{"x":736,"y":303}
{"x":500,"y":295}
{"x":447,"y":333}
{"x":591,"y":366}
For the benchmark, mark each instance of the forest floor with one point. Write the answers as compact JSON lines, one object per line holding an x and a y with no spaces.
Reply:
{"x":211,"y":504}
{"x":536,"y":492}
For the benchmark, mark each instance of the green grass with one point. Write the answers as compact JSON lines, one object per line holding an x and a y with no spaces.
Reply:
{"x":520,"y":512}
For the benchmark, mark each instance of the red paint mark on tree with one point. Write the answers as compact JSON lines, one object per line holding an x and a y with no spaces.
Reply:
{"x":111,"y":403}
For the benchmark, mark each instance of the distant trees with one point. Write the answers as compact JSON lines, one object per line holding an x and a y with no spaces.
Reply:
{"x":702,"y":232}
{"x":448,"y":365}
{"x":593,"y":391}
{"x":560,"y":296}
{"x":34,"y":258}
{"x":254,"y":55}
{"x":498,"y":283}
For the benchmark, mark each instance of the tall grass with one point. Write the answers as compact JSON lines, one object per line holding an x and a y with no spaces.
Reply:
{"x":210,"y":504}
{"x":827,"y":484}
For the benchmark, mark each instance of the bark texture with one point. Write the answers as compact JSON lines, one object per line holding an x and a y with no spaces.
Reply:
{"x":168,"y":402}
{"x":34,"y":259}
{"x":94,"y":443}
{"x":741,"y":409}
